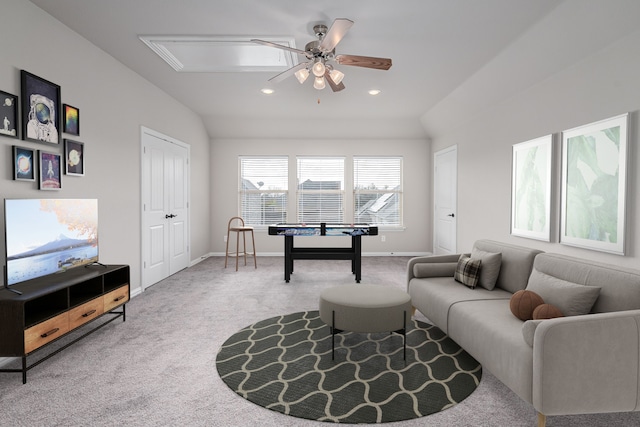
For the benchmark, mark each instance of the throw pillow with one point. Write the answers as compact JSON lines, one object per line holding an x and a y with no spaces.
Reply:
{"x":491,"y":262}
{"x":434,"y":269}
{"x":572,"y":299}
{"x":546,"y":311}
{"x":523,"y":302}
{"x":467,"y":271}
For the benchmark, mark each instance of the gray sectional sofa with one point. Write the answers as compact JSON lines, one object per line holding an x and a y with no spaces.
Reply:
{"x":577,"y":364}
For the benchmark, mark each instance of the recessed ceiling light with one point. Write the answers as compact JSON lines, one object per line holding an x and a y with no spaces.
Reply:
{"x":374,"y":92}
{"x":267,"y":91}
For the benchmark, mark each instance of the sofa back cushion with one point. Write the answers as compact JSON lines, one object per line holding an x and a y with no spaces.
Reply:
{"x":619,"y":287}
{"x":516,"y":265}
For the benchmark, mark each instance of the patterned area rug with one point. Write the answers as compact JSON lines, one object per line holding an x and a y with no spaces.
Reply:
{"x":284,"y":364}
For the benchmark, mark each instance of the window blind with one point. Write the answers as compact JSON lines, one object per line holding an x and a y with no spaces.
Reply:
{"x":320,"y":192}
{"x":263,"y":189}
{"x":377,"y":192}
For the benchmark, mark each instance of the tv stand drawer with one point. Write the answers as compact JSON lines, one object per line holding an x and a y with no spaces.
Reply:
{"x":83,"y":313}
{"x":116,"y":298}
{"x":47,"y":331}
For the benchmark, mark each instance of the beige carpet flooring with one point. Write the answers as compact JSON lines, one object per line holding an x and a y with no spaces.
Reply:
{"x":158,"y":367}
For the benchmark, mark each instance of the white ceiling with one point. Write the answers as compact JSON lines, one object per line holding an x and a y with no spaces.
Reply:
{"x":436,"y":46}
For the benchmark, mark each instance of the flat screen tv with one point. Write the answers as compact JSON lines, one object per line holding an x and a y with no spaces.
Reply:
{"x":47,"y":236}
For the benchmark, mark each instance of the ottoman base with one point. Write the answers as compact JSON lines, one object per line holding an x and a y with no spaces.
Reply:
{"x":335,"y":331}
{"x":365,"y":308}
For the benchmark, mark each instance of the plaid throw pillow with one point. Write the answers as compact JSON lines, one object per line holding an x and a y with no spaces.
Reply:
{"x":467,"y":271}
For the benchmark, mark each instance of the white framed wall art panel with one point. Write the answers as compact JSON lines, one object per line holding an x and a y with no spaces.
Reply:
{"x":531,"y":183}
{"x":594,"y":182}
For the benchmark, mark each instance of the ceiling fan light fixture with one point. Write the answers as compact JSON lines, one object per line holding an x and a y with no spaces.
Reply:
{"x":302,"y":75}
{"x":336,"y":76}
{"x":319,"y":83}
{"x":318,"y":68}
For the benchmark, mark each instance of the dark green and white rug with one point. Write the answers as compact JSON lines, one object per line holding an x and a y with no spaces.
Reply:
{"x":284,"y":364}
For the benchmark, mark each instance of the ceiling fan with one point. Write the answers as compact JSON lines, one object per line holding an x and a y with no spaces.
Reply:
{"x":321,"y":53}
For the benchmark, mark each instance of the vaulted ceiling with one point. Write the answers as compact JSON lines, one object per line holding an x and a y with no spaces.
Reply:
{"x":436,"y":46}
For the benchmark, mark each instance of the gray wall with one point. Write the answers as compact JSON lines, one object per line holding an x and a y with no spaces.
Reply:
{"x":114,"y":102}
{"x":597,"y":84}
{"x":415,"y":238}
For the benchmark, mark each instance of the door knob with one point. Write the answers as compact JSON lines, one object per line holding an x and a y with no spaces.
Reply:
{"x":170,"y":216}
{"x":451,"y":215}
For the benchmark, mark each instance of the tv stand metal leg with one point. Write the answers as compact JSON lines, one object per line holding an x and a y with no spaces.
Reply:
{"x":24,"y":369}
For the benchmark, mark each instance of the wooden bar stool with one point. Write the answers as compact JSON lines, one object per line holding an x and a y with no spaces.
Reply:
{"x":238,"y":229}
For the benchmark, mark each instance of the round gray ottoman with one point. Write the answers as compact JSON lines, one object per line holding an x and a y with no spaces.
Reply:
{"x":365,"y":308}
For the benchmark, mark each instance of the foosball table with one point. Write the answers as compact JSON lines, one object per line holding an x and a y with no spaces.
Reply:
{"x":353,"y":253}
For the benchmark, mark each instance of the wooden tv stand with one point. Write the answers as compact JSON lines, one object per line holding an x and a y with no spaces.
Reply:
{"x":52,"y":306}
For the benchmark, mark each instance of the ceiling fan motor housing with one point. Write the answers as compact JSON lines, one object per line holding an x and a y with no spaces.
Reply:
{"x":320,"y":30}
{"x":314,"y":48}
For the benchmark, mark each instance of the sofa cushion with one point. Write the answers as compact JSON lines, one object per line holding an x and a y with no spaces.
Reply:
{"x":517,"y":262}
{"x":493,"y":336}
{"x":571,"y":298}
{"x":490,"y":267}
{"x":620,"y":286}
{"x":523,"y":303}
{"x":435,"y":269}
{"x":435,"y":296}
{"x":468,"y":271}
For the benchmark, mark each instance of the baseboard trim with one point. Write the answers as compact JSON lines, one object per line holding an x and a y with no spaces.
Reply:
{"x":281,"y":254}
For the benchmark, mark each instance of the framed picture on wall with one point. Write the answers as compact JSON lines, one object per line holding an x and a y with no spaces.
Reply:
{"x":40,"y":109}
{"x":531,"y":188}
{"x":24,"y":164}
{"x":594,"y":185}
{"x":74,"y":157}
{"x":71,"y":121}
{"x":8,"y":115}
{"x":50,"y":171}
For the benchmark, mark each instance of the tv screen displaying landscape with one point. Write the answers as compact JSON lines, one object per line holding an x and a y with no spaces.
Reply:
{"x":46,"y":236}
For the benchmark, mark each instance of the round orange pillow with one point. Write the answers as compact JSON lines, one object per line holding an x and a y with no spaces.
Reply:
{"x":546,"y":311}
{"x":523,"y":303}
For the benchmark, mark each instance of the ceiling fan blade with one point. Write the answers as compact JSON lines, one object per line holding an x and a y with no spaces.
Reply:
{"x":308,"y":55}
{"x":364,"y":61}
{"x":287,"y":73}
{"x":337,"y":31}
{"x":334,"y":87}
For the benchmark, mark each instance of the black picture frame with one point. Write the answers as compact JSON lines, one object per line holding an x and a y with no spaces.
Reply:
{"x":40,"y":109}
{"x":50,"y":170}
{"x":74,"y":157}
{"x":71,"y":120}
{"x":24,"y":164}
{"x":9,"y":115}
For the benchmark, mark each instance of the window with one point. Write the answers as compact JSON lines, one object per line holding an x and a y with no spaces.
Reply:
{"x":263,"y":189}
{"x":377,"y":190}
{"x":320,"y":190}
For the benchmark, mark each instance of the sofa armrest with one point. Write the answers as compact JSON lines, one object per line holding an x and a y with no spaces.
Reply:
{"x":431,"y":259}
{"x":587,"y":364}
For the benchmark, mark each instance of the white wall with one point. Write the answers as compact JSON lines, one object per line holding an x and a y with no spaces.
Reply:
{"x":601,"y":85}
{"x":114,"y":102}
{"x":416,"y":238}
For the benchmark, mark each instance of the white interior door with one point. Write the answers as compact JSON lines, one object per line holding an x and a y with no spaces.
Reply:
{"x":445,"y":181}
{"x":165,"y":207}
